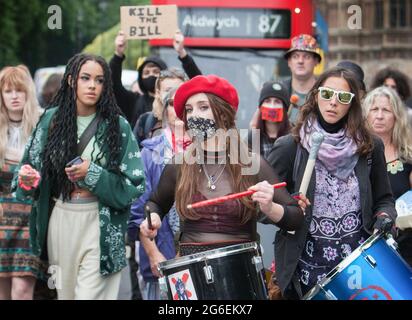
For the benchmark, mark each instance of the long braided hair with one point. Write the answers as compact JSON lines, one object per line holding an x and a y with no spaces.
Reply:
{"x":61,"y":146}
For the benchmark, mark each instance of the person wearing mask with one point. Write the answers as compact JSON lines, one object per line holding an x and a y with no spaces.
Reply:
{"x":213,"y":166}
{"x":149,"y":124}
{"x":131,"y":103}
{"x":273,"y":122}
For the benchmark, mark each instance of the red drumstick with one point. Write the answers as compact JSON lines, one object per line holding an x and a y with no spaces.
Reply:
{"x":229,"y":197}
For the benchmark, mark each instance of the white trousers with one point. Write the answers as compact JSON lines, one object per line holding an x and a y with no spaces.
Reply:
{"x":74,"y":254}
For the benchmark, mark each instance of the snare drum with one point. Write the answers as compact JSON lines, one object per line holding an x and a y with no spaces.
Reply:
{"x":374,"y":271}
{"x":230,"y":273}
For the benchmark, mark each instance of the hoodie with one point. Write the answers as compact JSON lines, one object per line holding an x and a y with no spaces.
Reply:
{"x":153,"y":161}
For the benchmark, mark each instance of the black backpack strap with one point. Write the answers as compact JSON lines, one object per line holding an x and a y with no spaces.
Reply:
{"x":87,"y":134}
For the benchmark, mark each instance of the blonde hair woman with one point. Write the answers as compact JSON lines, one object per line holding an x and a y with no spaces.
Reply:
{"x":387,"y":118}
{"x":19,"y":113}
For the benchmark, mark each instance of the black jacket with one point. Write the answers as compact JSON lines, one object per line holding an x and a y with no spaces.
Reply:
{"x":132,"y":104}
{"x":375,"y":194}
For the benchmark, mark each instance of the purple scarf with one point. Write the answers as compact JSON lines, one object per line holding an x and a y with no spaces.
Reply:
{"x":337,"y":152}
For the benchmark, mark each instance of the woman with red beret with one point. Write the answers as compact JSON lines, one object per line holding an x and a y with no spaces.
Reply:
{"x":216,"y":164}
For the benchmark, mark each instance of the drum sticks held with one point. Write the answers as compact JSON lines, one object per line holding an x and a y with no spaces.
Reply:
{"x":229,"y":197}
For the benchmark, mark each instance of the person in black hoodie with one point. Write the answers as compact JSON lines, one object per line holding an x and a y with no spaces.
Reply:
{"x":132,"y":104}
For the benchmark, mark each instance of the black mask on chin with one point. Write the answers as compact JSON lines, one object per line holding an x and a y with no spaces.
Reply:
{"x":149,"y":83}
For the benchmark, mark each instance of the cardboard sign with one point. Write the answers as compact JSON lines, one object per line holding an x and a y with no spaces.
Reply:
{"x":149,"y":22}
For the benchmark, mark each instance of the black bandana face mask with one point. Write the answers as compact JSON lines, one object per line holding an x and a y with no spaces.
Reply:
{"x":149,"y":83}
{"x":201,"y":128}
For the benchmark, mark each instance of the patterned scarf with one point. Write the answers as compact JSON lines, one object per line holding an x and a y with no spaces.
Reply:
{"x":337,"y":151}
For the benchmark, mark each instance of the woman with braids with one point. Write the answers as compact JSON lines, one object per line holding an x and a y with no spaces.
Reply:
{"x":79,"y":219}
{"x":349,"y":188}
{"x":217,"y":163}
{"x":19,"y":113}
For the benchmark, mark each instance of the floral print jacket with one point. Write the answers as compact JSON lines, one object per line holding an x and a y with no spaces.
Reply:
{"x":115,"y":193}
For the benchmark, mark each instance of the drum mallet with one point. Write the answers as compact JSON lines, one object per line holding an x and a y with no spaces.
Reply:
{"x":317,"y":139}
{"x":149,"y":218}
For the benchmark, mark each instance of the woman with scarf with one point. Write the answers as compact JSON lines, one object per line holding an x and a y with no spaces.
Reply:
{"x":349,"y":189}
{"x":216,"y":164}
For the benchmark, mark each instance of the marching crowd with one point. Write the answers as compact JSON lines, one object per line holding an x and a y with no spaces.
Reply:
{"x":80,"y":173}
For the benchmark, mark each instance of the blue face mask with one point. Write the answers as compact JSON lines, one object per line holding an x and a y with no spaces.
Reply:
{"x":201,"y":128}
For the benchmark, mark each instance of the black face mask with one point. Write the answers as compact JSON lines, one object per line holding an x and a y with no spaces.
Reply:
{"x":149,"y":83}
{"x":201,"y":128}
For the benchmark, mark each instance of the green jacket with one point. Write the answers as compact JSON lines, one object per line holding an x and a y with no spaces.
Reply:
{"x":115,"y":193}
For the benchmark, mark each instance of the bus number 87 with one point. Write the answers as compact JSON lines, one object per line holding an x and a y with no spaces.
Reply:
{"x":269,"y":23}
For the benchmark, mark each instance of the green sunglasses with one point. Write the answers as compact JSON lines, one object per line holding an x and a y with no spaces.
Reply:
{"x":344,"y":97}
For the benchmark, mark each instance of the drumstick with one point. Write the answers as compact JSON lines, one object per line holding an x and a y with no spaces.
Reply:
{"x":317,"y":139}
{"x":149,"y":218}
{"x":229,"y":197}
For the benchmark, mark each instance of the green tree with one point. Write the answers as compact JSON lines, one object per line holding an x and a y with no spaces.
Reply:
{"x":103,"y":45}
{"x":26,"y":38}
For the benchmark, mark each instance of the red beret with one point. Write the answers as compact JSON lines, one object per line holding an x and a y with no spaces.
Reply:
{"x":205,"y":84}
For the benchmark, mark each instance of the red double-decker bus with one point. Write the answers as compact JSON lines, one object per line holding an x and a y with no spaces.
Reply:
{"x":240,"y":40}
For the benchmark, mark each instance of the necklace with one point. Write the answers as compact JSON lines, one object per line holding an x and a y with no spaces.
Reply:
{"x":211,"y":179}
{"x":16,"y":122}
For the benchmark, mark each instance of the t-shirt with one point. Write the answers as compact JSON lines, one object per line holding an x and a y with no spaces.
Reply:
{"x":88,"y":152}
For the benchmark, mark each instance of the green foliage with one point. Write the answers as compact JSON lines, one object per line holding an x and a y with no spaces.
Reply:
{"x":26,"y":38}
{"x":103,"y":45}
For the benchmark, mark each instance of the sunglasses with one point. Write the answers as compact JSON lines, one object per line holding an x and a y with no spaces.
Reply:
{"x":343,"y":97}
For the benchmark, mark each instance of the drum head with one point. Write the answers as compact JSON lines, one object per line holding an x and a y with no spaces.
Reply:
{"x":208,"y":255}
{"x":318,"y":289}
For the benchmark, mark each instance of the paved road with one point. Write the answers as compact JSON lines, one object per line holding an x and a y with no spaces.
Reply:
{"x":125,"y":291}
